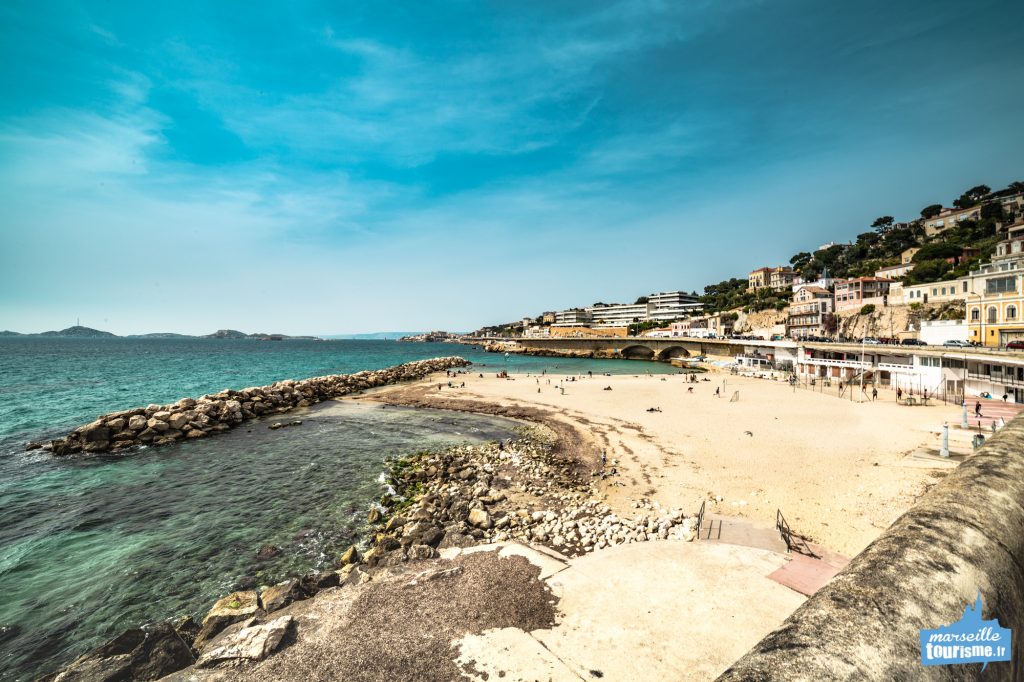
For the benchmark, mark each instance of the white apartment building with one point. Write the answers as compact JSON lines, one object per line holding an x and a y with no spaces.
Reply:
{"x":672,"y":305}
{"x":573,"y":317}
{"x":618,"y":314}
{"x":661,"y":307}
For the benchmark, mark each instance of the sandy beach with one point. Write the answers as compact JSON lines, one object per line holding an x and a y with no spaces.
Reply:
{"x":837,"y":469}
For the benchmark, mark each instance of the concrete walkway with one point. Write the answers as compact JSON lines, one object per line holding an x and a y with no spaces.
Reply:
{"x":652,"y":610}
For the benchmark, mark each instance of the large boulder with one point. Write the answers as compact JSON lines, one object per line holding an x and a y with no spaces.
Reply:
{"x":137,"y":423}
{"x":96,"y":433}
{"x":253,"y":643}
{"x":479,"y":518}
{"x":178,"y":421}
{"x":136,"y":654}
{"x":276,"y":597}
{"x":230,"y":609}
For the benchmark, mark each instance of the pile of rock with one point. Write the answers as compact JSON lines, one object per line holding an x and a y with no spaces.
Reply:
{"x":200,"y":417}
{"x":492,"y":493}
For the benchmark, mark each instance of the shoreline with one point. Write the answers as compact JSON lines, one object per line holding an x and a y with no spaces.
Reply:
{"x":547,"y":490}
{"x":537,"y":489}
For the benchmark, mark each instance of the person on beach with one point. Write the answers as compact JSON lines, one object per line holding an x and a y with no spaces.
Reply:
{"x":977,"y":409}
{"x":899,"y":394}
{"x":874,"y":394}
{"x":718,"y":392}
{"x":690,"y":389}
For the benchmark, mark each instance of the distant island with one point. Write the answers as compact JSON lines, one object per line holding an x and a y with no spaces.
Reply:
{"x":79,"y":332}
{"x":375,"y":336}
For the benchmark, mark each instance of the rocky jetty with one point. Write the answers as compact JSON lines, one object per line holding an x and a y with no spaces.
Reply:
{"x":191,"y":418}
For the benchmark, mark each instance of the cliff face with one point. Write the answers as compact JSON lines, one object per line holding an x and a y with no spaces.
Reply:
{"x":890,"y":321}
{"x":763,"y":323}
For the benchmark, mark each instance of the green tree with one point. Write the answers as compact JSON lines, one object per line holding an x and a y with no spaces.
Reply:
{"x":800,"y":260}
{"x":641,"y":299}
{"x":937,"y":250}
{"x":931,"y":211}
{"x":883,"y":223}
{"x":993,"y":210}
{"x":867,"y":309}
{"x":972,"y":196}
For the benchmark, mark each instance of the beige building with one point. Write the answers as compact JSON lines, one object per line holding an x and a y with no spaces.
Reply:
{"x":894,"y":271}
{"x":908,"y":255}
{"x":777,"y":278}
{"x":995,"y":294}
{"x":569,"y":332}
{"x":934,"y":292}
{"x":949,"y":217}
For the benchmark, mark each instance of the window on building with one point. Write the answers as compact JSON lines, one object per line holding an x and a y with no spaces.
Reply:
{"x":965,"y":287}
{"x":935,"y":291}
{"x":975,"y":314}
{"x":1011,"y":312}
{"x":992,"y":314}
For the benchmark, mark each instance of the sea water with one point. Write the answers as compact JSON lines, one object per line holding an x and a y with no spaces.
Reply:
{"x":92,"y":546}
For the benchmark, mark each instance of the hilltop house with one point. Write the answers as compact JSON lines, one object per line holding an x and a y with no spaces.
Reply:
{"x":894,"y":271}
{"x":772,"y":278}
{"x":949,"y":217}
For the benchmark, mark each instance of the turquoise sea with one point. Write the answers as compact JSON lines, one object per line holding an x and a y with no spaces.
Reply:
{"x":92,"y":546}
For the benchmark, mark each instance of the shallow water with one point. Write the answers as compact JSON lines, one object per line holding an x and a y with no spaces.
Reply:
{"x":92,"y":546}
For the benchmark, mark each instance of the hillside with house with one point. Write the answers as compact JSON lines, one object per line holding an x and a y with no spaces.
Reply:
{"x":951,"y":273}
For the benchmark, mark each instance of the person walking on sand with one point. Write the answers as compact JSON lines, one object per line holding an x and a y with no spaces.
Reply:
{"x":718,"y":392}
{"x":874,"y":394}
{"x":899,"y":394}
{"x":977,"y":409}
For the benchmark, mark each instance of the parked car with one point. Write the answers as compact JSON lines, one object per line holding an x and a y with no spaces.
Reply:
{"x":1015,"y":345}
{"x":913,"y":342}
{"x":871,"y":342}
{"x":956,"y":343}
{"x":778,"y":337}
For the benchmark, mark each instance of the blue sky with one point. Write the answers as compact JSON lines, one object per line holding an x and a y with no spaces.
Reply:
{"x":332,"y":167}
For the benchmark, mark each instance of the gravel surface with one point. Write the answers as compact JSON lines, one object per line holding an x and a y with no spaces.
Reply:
{"x":394,"y":630}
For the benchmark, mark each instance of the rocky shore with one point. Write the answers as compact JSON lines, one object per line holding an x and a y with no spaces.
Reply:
{"x":191,"y":418}
{"x":503,"y":347}
{"x":525,"y":490}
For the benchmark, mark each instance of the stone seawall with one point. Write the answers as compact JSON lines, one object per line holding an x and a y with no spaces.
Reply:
{"x":191,"y":418}
{"x":552,"y":352}
{"x":962,"y":538}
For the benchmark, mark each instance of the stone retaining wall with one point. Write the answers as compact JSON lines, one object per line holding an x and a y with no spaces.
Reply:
{"x":195,"y":418}
{"x":964,"y":536}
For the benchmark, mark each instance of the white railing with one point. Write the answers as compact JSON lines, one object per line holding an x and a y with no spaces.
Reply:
{"x":828,"y":362}
{"x":897,"y":367}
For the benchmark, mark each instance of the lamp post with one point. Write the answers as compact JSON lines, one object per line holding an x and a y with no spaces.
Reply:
{"x":944,"y":452}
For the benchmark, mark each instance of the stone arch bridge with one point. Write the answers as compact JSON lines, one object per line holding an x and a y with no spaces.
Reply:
{"x":663,"y":350}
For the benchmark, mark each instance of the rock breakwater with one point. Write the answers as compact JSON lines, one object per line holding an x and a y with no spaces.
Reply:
{"x":191,"y":418}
